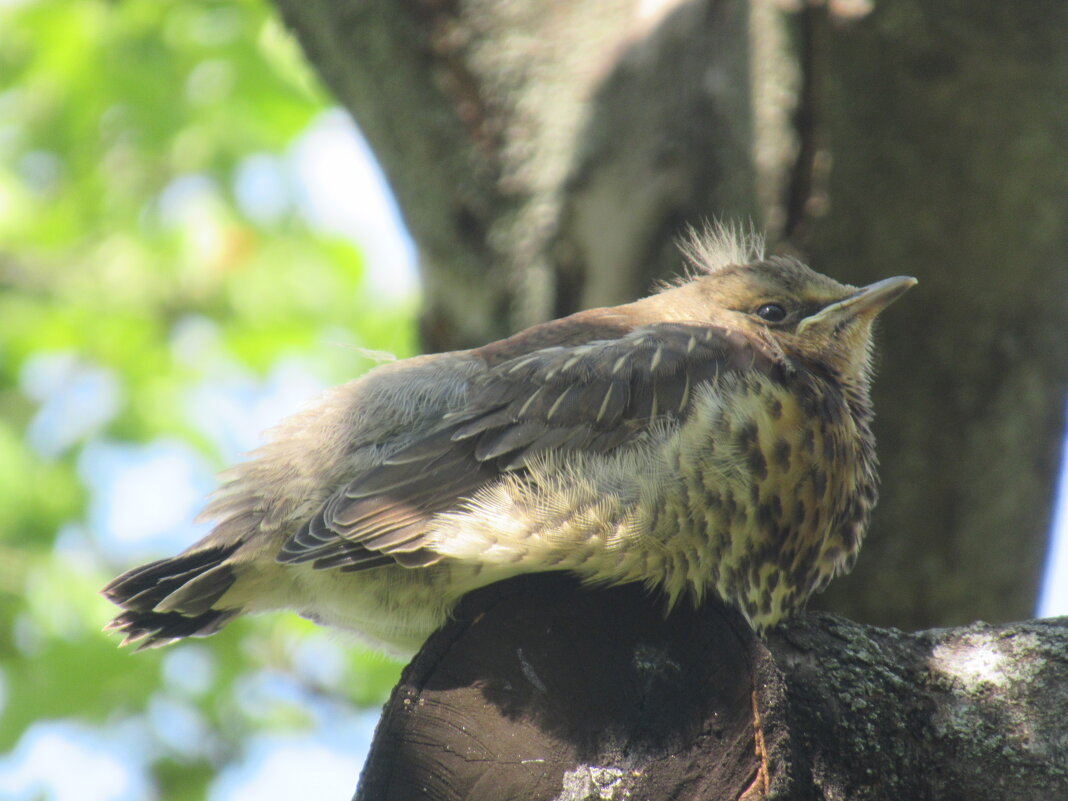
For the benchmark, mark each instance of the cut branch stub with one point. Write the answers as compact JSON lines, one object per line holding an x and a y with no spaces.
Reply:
{"x":540,"y":689}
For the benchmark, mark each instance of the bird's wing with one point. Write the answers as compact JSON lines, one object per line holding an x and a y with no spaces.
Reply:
{"x":594,"y":397}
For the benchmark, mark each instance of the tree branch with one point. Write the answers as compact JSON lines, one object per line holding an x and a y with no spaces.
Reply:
{"x":543,"y":690}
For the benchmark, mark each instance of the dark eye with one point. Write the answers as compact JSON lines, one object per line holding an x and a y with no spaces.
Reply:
{"x":771,"y":312}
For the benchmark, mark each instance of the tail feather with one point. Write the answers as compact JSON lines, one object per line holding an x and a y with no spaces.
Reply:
{"x":199,"y":594}
{"x":156,"y":629}
{"x":170,"y":599}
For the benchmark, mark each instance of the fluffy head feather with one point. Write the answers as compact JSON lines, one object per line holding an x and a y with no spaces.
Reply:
{"x":718,"y":245}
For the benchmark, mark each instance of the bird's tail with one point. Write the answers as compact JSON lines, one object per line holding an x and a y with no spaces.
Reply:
{"x":174,"y":598}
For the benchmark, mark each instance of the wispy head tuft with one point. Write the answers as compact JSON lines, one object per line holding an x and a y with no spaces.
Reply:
{"x":718,"y":245}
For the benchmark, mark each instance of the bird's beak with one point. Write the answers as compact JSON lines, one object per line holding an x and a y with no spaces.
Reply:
{"x":865,"y":302}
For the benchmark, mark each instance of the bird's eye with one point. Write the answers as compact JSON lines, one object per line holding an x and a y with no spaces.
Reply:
{"x":771,"y":312}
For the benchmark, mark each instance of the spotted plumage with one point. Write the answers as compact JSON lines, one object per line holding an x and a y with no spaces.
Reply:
{"x":713,"y":438}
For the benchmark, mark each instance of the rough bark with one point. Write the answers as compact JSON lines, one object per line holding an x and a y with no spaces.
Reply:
{"x":543,"y":690}
{"x":546,"y":155}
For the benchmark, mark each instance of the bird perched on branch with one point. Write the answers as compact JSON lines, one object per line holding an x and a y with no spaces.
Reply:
{"x":713,"y":438}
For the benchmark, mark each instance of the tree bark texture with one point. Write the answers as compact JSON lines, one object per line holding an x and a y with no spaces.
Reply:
{"x":540,"y":689}
{"x":547,"y":155}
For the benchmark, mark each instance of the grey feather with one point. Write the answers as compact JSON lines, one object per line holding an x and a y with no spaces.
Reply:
{"x":597,"y":395}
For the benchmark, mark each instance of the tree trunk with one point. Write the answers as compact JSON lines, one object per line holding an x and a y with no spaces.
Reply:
{"x":548,"y":155}
{"x":540,"y":689}
{"x":545,"y":156}
{"x":946,"y":122}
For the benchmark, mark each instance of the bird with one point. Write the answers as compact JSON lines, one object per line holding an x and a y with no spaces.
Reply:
{"x":713,"y":439}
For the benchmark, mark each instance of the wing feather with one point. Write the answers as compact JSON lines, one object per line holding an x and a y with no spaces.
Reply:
{"x":598,"y":396}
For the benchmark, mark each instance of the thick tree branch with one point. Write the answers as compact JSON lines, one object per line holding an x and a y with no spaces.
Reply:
{"x":543,"y":690}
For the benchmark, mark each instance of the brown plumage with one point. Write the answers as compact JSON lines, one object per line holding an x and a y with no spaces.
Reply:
{"x":714,"y":437}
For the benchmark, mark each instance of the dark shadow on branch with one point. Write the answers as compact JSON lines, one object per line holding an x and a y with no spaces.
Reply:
{"x":541,"y":689}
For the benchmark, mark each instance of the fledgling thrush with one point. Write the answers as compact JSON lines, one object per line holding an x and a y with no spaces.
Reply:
{"x":713,"y":437}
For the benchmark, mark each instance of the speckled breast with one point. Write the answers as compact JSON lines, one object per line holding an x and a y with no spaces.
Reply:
{"x":777,"y":483}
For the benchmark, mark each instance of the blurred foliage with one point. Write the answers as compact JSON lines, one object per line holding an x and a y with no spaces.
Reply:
{"x":125,"y":128}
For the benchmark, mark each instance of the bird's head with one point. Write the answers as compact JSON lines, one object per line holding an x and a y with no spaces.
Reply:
{"x":806,"y":316}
